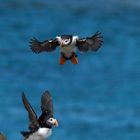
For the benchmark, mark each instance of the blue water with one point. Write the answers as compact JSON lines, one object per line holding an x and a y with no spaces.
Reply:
{"x":97,"y":99}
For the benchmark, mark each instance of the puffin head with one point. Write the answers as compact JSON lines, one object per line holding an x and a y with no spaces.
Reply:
{"x":53,"y":122}
{"x":64,"y":40}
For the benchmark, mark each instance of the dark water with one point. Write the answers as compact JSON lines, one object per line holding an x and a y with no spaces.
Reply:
{"x":99,"y":98}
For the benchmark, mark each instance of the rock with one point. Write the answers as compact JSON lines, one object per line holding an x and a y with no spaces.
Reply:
{"x":2,"y":137}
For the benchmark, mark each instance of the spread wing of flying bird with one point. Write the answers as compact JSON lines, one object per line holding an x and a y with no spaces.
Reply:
{"x":38,"y":47}
{"x":46,"y":107}
{"x":90,"y":43}
{"x":33,"y":122}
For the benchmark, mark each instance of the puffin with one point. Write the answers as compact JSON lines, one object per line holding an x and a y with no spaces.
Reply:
{"x":40,"y":128}
{"x":68,"y":44}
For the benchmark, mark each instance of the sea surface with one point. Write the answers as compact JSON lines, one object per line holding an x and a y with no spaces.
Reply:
{"x":98,"y":99}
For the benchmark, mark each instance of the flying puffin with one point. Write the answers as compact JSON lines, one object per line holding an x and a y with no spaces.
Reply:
{"x":40,"y":128}
{"x":68,"y":45}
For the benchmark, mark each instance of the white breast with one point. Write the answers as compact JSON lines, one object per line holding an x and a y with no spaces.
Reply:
{"x":45,"y":132}
{"x":41,"y":134}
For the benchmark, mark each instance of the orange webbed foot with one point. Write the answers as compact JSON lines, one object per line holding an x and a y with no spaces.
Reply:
{"x":62,"y":61}
{"x":74,"y":60}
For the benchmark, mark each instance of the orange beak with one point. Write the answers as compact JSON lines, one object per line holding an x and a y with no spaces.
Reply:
{"x":56,"y":124}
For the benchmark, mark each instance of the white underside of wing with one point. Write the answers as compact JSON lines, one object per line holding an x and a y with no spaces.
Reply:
{"x":41,"y":134}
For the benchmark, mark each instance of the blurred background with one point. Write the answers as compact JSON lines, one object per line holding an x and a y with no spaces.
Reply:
{"x":97,"y":99}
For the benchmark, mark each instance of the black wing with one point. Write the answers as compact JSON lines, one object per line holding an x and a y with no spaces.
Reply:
{"x":46,"y":107}
{"x":38,"y":47}
{"x":90,"y":43}
{"x":33,"y":122}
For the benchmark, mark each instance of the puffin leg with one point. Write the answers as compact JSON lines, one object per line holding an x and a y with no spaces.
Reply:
{"x":62,"y":60}
{"x":74,"y":59}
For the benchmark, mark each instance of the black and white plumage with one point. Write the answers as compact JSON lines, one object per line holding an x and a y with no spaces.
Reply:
{"x":68,"y":45}
{"x":40,"y":128}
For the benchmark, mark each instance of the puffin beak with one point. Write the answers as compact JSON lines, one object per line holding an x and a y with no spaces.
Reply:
{"x":56,"y":124}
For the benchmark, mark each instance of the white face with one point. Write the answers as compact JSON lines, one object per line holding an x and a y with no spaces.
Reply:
{"x":66,"y":41}
{"x":53,"y":121}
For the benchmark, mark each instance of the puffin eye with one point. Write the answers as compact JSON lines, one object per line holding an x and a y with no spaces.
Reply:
{"x":67,"y":40}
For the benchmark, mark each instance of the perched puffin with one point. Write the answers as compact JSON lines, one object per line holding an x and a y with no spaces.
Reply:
{"x":40,"y":128}
{"x":68,"y":45}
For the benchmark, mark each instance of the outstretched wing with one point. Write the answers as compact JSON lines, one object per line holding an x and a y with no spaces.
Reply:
{"x":38,"y":47}
{"x":46,"y":107}
{"x":33,"y":122}
{"x":90,"y":43}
